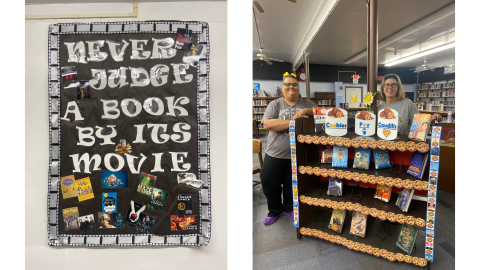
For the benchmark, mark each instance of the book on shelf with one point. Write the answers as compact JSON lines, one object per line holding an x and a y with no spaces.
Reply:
{"x":337,"y":220}
{"x":327,"y":153}
{"x":340,"y":157}
{"x":419,"y":128}
{"x":319,"y":114}
{"x":383,"y":193}
{"x":404,"y":199}
{"x":335,"y":186}
{"x":406,"y":239}
{"x":362,"y":159}
{"x":381,"y":158}
{"x":418,"y":164}
{"x":359,"y":224}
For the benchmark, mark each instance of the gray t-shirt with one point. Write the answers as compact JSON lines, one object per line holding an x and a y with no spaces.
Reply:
{"x":278,"y":143}
{"x":406,"y":110}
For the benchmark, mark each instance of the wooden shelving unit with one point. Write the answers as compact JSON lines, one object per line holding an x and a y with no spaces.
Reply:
{"x":381,"y":234}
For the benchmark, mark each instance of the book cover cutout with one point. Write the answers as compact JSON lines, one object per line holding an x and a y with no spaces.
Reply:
{"x":158,"y":200}
{"x":119,"y":219}
{"x":183,"y":223}
{"x":67,"y":184}
{"x":184,"y":204}
{"x":114,"y":179}
{"x":106,"y":220}
{"x":83,"y":91}
{"x":340,"y":157}
{"x":382,"y":159}
{"x":362,"y":159}
{"x":184,"y":37}
{"x":406,"y":239}
{"x":84,"y":189}
{"x":144,"y":224}
{"x":359,"y":224}
{"x":70,"y":218}
{"x":87,"y":223}
{"x":336,"y":222}
{"x":109,"y":202}
{"x":135,"y":213}
{"x":189,"y":180}
{"x":419,"y":128}
{"x":146,"y":184}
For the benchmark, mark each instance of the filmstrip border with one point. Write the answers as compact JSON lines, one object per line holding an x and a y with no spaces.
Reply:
{"x":204,"y":173}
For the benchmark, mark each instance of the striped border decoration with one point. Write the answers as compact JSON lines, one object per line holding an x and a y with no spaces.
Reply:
{"x":203,"y":120}
{"x":293,"y":151}
{"x":432,"y":189}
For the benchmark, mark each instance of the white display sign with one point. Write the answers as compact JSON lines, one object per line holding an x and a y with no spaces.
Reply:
{"x":387,"y":127}
{"x":336,"y":122}
{"x":365,"y":123}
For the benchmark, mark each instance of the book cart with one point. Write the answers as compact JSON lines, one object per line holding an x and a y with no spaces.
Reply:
{"x":313,"y":207}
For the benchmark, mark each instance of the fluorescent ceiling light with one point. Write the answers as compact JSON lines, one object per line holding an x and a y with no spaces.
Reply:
{"x":437,"y":49}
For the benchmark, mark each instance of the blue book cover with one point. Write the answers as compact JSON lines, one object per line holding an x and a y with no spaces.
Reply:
{"x":416,"y":167}
{"x":340,"y":157}
{"x":382,"y":159}
{"x":335,"y":186}
{"x":109,"y":202}
{"x":114,"y":179}
{"x":362,"y":159}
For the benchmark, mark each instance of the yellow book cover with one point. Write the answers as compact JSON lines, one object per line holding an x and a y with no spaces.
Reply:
{"x":84,"y":189}
{"x":67,"y":184}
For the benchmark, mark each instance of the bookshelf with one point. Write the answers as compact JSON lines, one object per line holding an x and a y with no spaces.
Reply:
{"x":438,"y":93}
{"x":310,"y":191}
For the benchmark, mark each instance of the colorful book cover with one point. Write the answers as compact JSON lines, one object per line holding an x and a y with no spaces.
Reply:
{"x":158,"y":200}
{"x":319,"y":118}
{"x":335,"y":186}
{"x":382,"y":159}
{"x":340,"y":157}
{"x":119,"y":219}
{"x":383,"y":193}
{"x":84,"y":189}
{"x":327,"y":153}
{"x":134,"y":213}
{"x":184,"y":37}
{"x":106,"y":220}
{"x":144,"y":224}
{"x":362,"y":159}
{"x":407,"y":237}
{"x":183,"y":223}
{"x":447,"y":137}
{"x":419,"y":128}
{"x":404,"y":199}
{"x":359,"y":224}
{"x":83,"y":91}
{"x":146,"y":184}
{"x":67,"y":184}
{"x":114,"y":179}
{"x":416,"y":165}
{"x":109,"y":202}
{"x":184,"y":204}
{"x":70,"y":218}
{"x":336,"y":222}
{"x":87,"y":223}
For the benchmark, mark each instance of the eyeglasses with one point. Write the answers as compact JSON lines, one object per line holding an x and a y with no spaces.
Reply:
{"x":393,"y":85}
{"x":291,"y":84}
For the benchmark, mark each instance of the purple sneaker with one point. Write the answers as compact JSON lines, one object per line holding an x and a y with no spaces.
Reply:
{"x":270,"y":220}
{"x":290,"y":215}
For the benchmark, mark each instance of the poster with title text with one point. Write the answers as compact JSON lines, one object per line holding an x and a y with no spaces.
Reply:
{"x":129,"y":110}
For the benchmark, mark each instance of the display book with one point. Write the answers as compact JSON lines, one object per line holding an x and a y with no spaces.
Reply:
{"x":307,"y":231}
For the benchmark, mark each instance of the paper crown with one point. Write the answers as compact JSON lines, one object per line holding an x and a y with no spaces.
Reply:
{"x":286,"y":74}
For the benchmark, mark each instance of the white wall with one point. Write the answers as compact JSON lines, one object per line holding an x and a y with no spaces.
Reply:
{"x":38,"y":254}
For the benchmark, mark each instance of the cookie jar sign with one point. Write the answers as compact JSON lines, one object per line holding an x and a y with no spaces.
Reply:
{"x":336,"y":122}
{"x":387,"y":126}
{"x":365,"y":123}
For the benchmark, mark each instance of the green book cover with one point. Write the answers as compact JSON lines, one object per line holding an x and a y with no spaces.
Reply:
{"x":158,"y":200}
{"x":407,"y":237}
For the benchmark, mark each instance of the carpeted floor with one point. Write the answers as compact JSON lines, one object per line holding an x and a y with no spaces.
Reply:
{"x":276,"y":246}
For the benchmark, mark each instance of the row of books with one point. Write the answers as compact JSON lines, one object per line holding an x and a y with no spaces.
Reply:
{"x":325,"y":102}
{"x":436,"y":86}
{"x":259,"y":109}
{"x":261,"y":93}
{"x":406,"y":239}
{"x":261,"y":102}
{"x":258,"y":117}
{"x":437,"y":94}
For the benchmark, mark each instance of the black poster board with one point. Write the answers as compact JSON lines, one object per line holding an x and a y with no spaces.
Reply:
{"x":133,"y":87}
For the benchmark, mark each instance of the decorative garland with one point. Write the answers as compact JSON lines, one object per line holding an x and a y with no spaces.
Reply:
{"x":363,"y":143}
{"x":337,"y":239}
